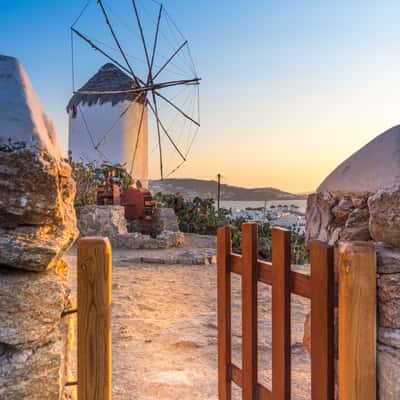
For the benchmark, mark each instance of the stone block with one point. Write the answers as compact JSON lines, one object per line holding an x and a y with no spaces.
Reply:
{"x":342,"y":210}
{"x":169,"y":219}
{"x":34,"y":248}
{"x":388,"y":259}
{"x":384,"y":222}
{"x":108,"y":221}
{"x":319,"y":216}
{"x":389,"y":300}
{"x":388,"y":373}
{"x":35,"y":339}
{"x":390,"y":337}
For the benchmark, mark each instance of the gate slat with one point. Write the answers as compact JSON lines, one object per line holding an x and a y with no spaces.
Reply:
{"x":224,"y":314}
{"x":281,"y":288}
{"x":264,"y":393}
{"x":249,"y":310}
{"x":236,"y":375}
{"x":322,"y":322}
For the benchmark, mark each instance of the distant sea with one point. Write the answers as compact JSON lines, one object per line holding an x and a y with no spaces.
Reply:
{"x":241,"y":205}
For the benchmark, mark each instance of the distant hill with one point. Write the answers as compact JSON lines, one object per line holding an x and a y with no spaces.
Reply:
{"x":208,"y":189}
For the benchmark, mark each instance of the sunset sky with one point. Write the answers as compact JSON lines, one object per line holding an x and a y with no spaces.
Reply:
{"x":290,"y":88}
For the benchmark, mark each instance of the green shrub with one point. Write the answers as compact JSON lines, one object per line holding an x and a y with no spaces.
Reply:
{"x":86,"y":183}
{"x":196,"y":216}
{"x":200,"y":216}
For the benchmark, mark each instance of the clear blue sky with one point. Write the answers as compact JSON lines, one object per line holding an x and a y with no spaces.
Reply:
{"x":290,"y":88}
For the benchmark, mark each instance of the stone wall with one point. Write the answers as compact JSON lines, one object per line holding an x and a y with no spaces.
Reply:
{"x":368,"y":216}
{"x":164,"y":219}
{"x":37,"y":225}
{"x":110,"y":221}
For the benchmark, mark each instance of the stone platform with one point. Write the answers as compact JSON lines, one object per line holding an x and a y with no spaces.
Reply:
{"x":109,"y":221}
{"x":197,"y":250}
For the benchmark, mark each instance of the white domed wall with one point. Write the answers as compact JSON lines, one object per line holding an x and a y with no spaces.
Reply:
{"x":22,"y":116}
{"x":360,"y":200}
{"x":374,"y":166}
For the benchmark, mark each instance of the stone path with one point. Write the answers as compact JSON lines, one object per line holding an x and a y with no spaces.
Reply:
{"x":165,"y":332}
{"x":198,"y":250}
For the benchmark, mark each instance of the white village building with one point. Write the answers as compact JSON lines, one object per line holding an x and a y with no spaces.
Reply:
{"x":108,"y":123}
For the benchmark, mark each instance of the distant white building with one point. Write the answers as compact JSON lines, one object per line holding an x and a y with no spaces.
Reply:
{"x":104,"y":124}
{"x":290,"y":221}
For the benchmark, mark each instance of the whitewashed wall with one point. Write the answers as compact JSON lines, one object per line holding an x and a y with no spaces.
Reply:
{"x":120,"y":144}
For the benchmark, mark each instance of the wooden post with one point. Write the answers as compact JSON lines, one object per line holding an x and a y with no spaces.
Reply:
{"x":322,"y":322}
{"x":281,"y":342}
{"x":224,"y":314}
{"x":249,"y":310}
{"x":94,"y":319}
{"x":357,"y":321}
{"x":218,"y":192}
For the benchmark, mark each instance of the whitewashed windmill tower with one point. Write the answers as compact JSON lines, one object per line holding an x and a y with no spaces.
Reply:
{"x":109,"y":127}
{"x":111,"y":114}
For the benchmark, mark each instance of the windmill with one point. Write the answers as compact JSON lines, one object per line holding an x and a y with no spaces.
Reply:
{"x":151,"y":88}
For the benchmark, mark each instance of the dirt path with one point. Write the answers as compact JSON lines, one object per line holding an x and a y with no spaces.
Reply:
{"x":164,"y":333}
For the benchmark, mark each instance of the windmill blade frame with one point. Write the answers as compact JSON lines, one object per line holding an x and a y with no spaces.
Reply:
{"x":150,"y":86}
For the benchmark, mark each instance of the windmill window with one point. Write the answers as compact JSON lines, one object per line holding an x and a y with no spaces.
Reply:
{"x":73,"y":111}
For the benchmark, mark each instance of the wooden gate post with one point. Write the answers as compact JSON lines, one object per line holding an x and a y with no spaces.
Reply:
{"x":94,"y":319}
{"x":224,"y":314}
{"x":357,"y":321}
{"x":249,"y":311}
{"x":281,"y":342}
{"x":322,"y":322}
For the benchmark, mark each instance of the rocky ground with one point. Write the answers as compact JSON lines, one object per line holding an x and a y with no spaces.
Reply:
{"x":165,"y":332}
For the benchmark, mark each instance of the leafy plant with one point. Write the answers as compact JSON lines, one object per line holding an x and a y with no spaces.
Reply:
{"x":89,"y":177}
{"x":195,"y":216}
{"x":86,"y":183}
{"x":299,"y":252}
{"x":200,"y":216}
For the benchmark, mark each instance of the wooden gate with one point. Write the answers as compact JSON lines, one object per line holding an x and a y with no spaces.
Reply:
{"x":318,"y":287}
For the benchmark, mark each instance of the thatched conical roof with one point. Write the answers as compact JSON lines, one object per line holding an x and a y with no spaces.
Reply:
{"x":108,"y":78}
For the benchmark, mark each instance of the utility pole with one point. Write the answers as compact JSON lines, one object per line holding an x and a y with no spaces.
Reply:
{"x":219,"y":192}
{"x":265,"y":209}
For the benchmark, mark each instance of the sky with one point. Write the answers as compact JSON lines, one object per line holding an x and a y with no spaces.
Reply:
{"x":289,"y":88}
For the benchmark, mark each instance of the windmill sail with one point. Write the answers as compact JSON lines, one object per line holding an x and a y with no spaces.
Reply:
{"x":111,"y":114}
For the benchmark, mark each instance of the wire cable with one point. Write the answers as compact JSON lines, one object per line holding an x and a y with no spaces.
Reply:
{"x":90,"y":133}
{"x":81,"y":13}
{"x":72,"y":61}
